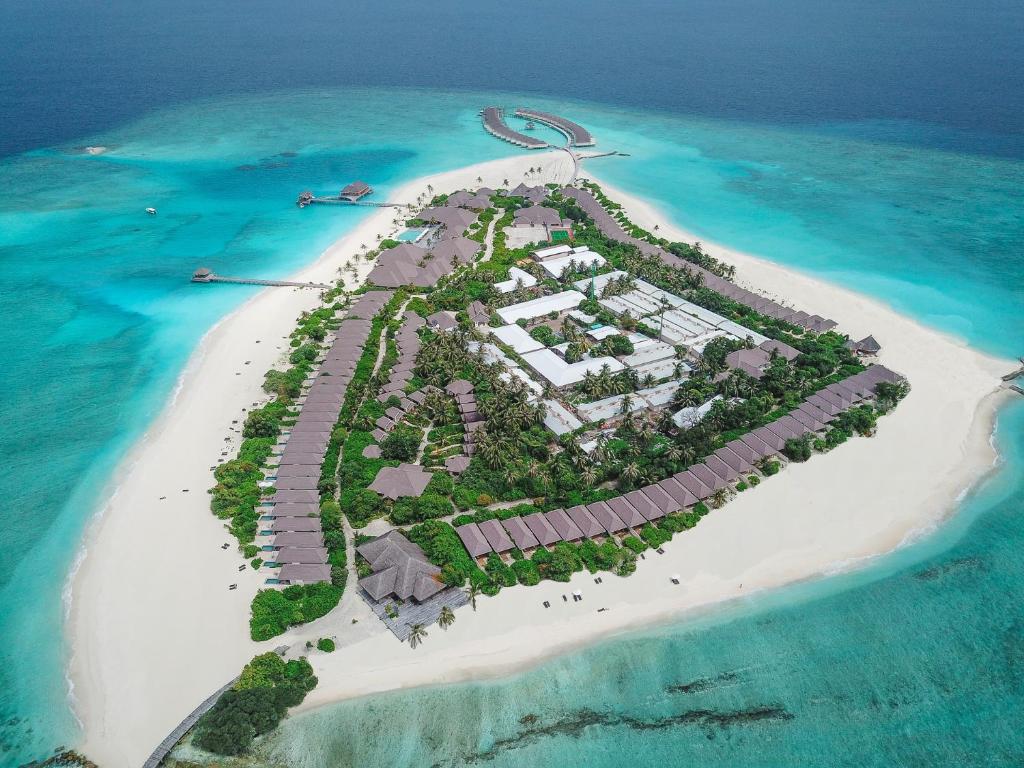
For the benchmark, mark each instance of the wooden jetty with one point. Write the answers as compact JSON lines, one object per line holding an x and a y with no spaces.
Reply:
{"x":1015,"y":374}
{"x":307,"y":198}
{"x":352,"y":194}
{"x":165,"y":746}
{"x":204,"y":275}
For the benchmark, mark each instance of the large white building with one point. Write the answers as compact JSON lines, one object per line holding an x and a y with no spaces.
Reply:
{"x":516,"y":277}
{"x":530,"y":310}
{"x":517,"y":338}
{"x":583,"y":258}
{"x":562,"y":374}
{"x":680,"y":321}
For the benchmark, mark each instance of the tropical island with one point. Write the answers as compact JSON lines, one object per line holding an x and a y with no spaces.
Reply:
{"x":522,"y":395}
{"x":494,"y":409}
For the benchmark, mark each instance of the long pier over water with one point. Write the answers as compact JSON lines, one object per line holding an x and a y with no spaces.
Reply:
{"x":204,"y":275}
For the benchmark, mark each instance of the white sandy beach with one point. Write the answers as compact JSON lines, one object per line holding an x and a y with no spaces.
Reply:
{"x":155,"y":629}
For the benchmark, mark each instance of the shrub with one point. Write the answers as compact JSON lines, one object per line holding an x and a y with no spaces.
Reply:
{"x":304,"y":353}
{"x":628,"y":564}
{"x":325,"y":644}
{"x":429,"y":506}
{"x":364,"y":506}
{"x":797,"y":449}
{"x":262,"y":423}
{"x":600,"y":558}
{"x":544,"y":335}
{"x":654,"y":536}
{"x":634,"y":544}
{"x":267,"y":687}
{"x":274,"y":611}
{"x":770,"y":467}
{"x":501,"y":575}
{"x":444,"y":549}
{"x":560,"y":563}
{"x":526,"y":572}
{"x":249,"y":551}
{"x":402,"y":444}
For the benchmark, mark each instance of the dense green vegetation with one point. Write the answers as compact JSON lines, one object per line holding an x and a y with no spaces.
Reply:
{"x":274,"y":610}
{"x":266,"y":689}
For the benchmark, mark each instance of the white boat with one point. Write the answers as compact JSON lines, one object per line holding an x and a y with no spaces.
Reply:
{"x":151,"y":211}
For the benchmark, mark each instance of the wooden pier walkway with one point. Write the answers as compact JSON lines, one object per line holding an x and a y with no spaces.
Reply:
{"x":165,"y":746}
{"x":1015,"y":374}
{"x":204,"y":275}
{"x":338,"y":201}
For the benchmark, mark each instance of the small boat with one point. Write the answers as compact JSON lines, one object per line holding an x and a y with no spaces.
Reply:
{"x":151,"y":211}
{"x":530,"y":125}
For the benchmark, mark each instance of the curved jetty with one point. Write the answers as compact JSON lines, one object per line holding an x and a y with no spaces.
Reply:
{"x":494,"y":124}
{"x":577,"y":135}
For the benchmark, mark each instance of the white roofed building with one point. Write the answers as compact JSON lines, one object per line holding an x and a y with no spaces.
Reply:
{"x":560,"y":419}
{"x":554,"y":250}
{"x":516,"y":278}
{"x":529,"y":310}
{"x":585,"y":259}
{"x":517,"y":338}
{"x":689,"y":417}
{"x":600,"y":281}
{"x":562,"y":374}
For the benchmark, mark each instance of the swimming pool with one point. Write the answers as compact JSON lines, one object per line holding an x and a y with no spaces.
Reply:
{"x":412,"y":235}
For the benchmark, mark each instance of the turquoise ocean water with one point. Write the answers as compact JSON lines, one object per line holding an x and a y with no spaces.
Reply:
{"x":100,"y":318}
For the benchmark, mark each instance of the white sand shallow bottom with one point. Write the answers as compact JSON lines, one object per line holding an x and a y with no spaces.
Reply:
{"x":155,"y":629}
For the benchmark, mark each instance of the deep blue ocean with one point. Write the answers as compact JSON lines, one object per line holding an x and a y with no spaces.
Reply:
{"x":877,"y":144}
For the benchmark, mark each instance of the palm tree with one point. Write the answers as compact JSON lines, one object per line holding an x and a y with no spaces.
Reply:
{"x":630,"y":472}
{"x":416,"y":634}
{"x":589,"y":476}
{"x":446,"y":618}
{"x":689,"y":397}
{"x":472,"y":592}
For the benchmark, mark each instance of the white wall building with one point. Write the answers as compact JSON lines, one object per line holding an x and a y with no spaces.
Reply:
{"x":562,"y":374}
{"x":586,"y":259}
{"x":517,"y":338}
{"x":516,"y":276}
{"x":529,"y":310}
